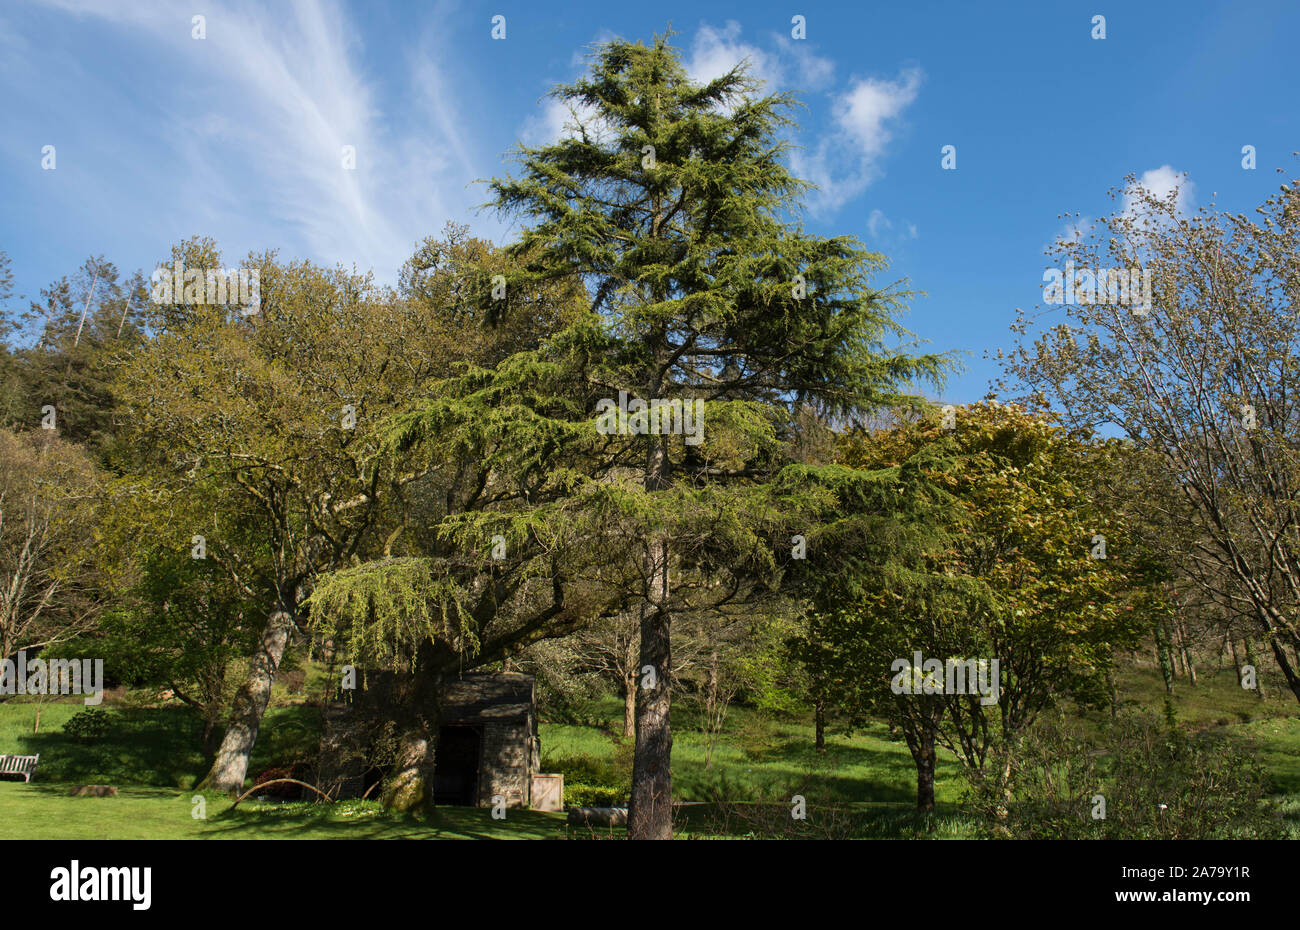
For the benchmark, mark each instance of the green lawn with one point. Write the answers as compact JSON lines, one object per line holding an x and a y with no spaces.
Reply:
{"x":1276,"y":743}
{"x":153,"y":746}
{"x":43,"y":811}
{"x":150,"y":753}
{"x":765,"y":760}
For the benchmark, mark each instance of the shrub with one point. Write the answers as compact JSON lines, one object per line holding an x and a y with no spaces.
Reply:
{"x":87,"y":725}
{"x":1054,"y":777}
{"x":1174,"y":786}
{"x":589,"y":771}
{"x":758,"y":738}
{"x":1156,"y":783}
{"x":593,"y":796}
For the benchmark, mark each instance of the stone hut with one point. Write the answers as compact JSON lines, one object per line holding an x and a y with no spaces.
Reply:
{"x":487,"y":745}
{"x":487,"y":742}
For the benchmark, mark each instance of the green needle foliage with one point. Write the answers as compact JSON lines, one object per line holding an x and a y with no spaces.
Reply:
{"x":671,"y":203}
{"x":670,"y":208}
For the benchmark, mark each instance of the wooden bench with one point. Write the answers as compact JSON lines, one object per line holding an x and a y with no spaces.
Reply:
{"x":19,"y":765}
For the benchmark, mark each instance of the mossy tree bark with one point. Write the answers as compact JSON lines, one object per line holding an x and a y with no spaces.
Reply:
{"x":1164,"y":654}
{"x":415,"y":699}
{"x":410,"y":788}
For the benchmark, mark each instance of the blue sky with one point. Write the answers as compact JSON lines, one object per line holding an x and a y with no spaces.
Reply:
{"x":159,"y":136}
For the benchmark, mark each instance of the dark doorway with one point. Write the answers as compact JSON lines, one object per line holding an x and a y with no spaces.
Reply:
{"x":455,"y":766}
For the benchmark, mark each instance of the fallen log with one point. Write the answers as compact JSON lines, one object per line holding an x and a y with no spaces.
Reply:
{"x":94,"y":791}
{"x":598,"y":816}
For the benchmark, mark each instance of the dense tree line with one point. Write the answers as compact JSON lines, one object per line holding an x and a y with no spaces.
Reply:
{"x":439,"y":474}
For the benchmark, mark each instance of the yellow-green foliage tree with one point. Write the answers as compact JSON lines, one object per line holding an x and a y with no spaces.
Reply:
{"x":51,"y":567}
{"x":1201,"y":377}
{"x":260,"y":427}
{"x":1019,"y":566}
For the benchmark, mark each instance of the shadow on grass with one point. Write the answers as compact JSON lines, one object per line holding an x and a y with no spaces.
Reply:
{"x":842,"y":773}
{"x":162,"y":746}
{"x":368,"y":820}
{"x":152,"y":746}
{"x":64,"y":790}
{"x":824,"y":821}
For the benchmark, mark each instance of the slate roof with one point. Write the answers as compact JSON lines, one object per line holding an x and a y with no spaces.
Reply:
{"x":487,"y":697}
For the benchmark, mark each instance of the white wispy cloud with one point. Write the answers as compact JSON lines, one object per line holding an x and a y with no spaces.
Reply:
{"x":788,"y":65}
{"x":865,"y":117}
{"x":811,"y":72}
{"x":284,"y":89}
{"x":878,"y":223}
{"x":870,"y":107}
{"x":715,"y":51}
{"x":845,"y":161}
{"x":881,"y":228}
{"x":1162,"y":182}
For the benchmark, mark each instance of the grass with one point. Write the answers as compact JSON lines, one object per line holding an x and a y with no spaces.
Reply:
{"x":44,"y":811}
{"x":865,"y":780}
{"x":761,"y":759}
{"x":154,"y":746}
{"x":1215,"y":701}
{"x":1276,"y":743}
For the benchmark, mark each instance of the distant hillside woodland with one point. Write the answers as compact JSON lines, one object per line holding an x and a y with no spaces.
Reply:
{"x":205,"y":485}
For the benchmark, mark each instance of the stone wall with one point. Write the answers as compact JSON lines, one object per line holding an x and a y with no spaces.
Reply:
{"x":504,"y":768}
{"x":501,"y":707}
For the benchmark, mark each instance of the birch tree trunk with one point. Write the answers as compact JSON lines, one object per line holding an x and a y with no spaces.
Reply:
{"x":230,"y":766}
